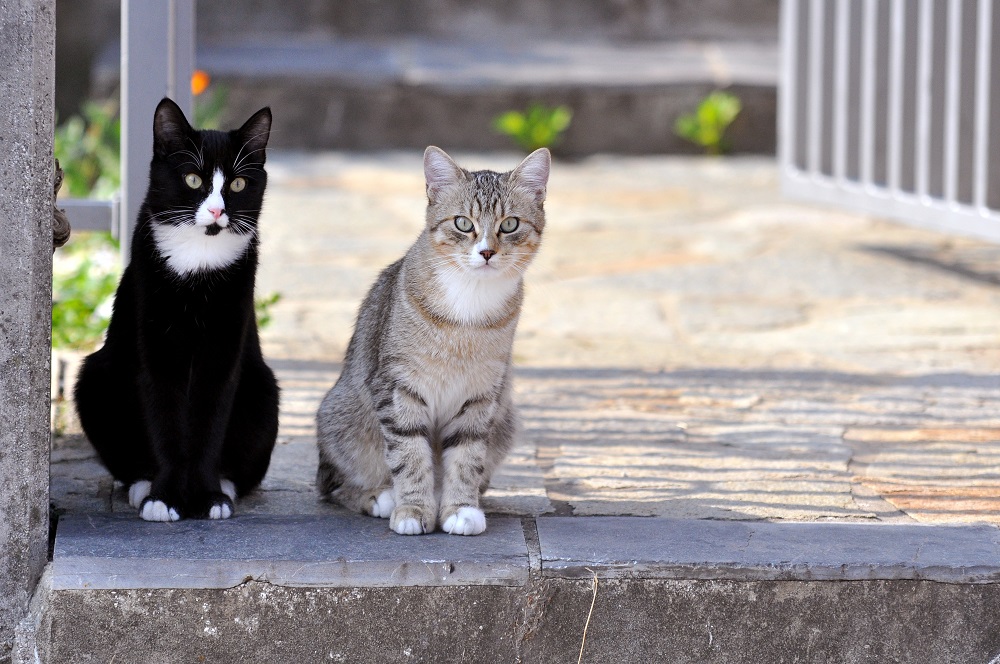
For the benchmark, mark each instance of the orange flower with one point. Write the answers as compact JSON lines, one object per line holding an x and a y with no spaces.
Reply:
{"x":199,"y":82}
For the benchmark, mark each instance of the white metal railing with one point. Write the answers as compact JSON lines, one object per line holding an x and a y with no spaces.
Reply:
{"x":888,"y":107}
{"x":157,"y":59}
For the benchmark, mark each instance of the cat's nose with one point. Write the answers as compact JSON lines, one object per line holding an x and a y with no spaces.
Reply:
{"x":487,"y":254}
{"x":216,"y":212}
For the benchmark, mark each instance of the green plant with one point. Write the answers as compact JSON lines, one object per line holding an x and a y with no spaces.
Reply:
{"x":209,"y":101}
{"x":88,"y":149}
{"x":84,"y":278}
{"x":538,"y":127}
{"x":707,"y":125}
{"x":262,"y":307}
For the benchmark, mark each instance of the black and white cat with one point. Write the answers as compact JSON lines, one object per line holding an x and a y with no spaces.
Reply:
{"x":179,"y":402}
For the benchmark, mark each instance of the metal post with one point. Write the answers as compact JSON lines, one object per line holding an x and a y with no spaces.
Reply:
{"x":156,"y":61}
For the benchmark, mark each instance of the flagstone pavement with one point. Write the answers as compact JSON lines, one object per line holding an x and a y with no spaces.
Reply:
{"x":692,"y":345}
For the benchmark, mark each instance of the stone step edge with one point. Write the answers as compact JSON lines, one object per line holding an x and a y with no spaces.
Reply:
{"x":106,"y":551}
{"x":428,"y":63}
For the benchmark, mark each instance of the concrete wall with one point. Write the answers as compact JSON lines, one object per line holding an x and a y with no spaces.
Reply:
{"x":26,"y":170}
{"x":633,"y":620}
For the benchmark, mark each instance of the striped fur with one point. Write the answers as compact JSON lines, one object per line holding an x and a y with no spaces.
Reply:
{"x":422,"y":414}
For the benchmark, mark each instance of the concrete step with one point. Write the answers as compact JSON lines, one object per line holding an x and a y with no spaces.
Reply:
{"x":521,"y":20}
{"x":365,"y":94}
{"x":341,"y":587}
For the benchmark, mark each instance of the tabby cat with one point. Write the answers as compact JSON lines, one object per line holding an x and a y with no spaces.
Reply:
{"x":422,"y":414}
{"x":179,"y":402}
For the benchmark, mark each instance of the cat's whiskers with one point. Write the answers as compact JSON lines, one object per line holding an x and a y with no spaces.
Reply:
{"x":244,"y":221}
{"x":198,"y":155}
{"x":243,"y":226}
{"x":246,"y":169}
{"x":197,"y":160}
{"x":154,"y":215}
{"x":239,"y":159}
{"x":441,"y":262}
{"x":173,"y":214}
{"x":447,"y":274}
{"x":176,"y":220}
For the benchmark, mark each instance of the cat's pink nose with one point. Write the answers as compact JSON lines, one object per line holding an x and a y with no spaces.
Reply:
{"x":487,"y":254}
{"x":216,"y":212}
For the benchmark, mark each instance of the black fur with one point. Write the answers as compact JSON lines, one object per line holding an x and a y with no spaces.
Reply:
{"x":179,"y":394}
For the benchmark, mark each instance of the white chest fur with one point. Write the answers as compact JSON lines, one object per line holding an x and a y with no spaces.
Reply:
{"x":187,"y":249}
{"x":477,"y":299}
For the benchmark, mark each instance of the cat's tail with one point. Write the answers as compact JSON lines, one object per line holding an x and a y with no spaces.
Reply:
{"x":328,"y":478}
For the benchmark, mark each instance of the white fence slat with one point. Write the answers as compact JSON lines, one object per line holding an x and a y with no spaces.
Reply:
{"x":842,"y":65}
{"x":925,"y":52}
{"x":953,"y":91}
{"x":815,"y":103}
{"x":982,"y":104}
{"x":868,"y":74}
{"x":788,"y":90}
{"x":897,"y":72}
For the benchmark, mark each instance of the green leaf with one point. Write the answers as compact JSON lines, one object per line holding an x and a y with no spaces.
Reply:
{"x":707,"y":125}
{"x":85,"y":276}
{"x":262,"y":308}
{"x":537,"y":126}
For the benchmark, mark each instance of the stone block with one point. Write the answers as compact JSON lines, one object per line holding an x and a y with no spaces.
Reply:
{"x":107,"y":551}
{"x":629,"y":547}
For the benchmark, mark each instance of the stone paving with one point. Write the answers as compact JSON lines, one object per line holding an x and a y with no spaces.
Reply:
{"x":693,"y":345}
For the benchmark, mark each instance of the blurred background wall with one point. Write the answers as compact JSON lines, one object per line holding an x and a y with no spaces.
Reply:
{"x":378,"y":74}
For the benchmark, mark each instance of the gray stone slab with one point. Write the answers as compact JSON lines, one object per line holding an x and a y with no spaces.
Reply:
{"x":698,"y":549}
{"x":107,"y":551}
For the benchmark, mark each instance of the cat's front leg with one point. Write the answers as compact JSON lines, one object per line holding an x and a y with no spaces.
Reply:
{"x":464,"y":461}
{"x":168,"y":505}
{"x":477,"y":440}
{"x":411,"y":464}
{"x":209,"y":496}
{"x":221,"y":504}
{"x":162,"y":502}
{"x":402,"y":415}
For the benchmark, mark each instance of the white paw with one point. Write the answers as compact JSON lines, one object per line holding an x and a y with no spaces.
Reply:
{"x":466,"y":521}
{"x":222,"y":511}
{"x":383,"y":505}
{"x":409,"y":526}
{"x":229,"y":489}
{"x":138,"y":492}
{"x":157,"y":510}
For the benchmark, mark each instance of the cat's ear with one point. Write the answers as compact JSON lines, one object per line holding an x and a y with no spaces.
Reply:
{"x":170,"y":128}
{"x":533,"y":173}
{"x":440,"y":171}
{"x":254,"y":133}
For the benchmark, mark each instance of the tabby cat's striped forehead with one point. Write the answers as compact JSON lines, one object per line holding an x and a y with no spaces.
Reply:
{"x":486,"y":195}
{"x":488,"y":192}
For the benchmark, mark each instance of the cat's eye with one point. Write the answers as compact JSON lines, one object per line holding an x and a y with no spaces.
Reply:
{"x":192,"y":180}
{"x":509,"y":225}
{"x":239,"y":184}
{"x":463,"y":224}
